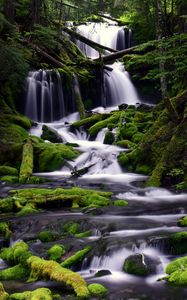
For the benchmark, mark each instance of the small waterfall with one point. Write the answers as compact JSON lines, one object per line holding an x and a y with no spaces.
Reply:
{"x":109,"y":35}
{"x":118,"y":86}
{"x":44,"y":97}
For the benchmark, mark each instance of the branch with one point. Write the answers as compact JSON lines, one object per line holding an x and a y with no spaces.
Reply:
{"x":86,"y":40}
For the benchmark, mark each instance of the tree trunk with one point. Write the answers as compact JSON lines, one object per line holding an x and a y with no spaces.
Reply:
{"x":117,"y":55}
{"x":35,"y":9}
{"x":9,"y":10}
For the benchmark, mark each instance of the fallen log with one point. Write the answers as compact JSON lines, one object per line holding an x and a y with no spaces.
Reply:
{"x":112,"y":19}
{"x":87,"y":41}
{"x":117,"y":55}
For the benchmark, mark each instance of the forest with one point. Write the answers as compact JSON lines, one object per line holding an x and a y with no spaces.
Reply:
{"x":93,"y":149}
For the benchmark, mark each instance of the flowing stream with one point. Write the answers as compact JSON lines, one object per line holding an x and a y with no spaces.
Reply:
{"x":142,"y":226}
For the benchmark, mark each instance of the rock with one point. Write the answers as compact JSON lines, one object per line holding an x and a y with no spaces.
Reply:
{"x":51,"y":135}
{"x":123,"y":106}
{"x":140,"y":264}
{"x":101,"y":273}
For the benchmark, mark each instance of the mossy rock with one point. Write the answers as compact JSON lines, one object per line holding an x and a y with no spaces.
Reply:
{"x":123,"y":159}
{"x":140,"y":264}
{"x":3,"y":294}
{"x":97,"y":290}
{"x":14,"y":134}
{"x":21,"y":120}
{"x":47,"y":236}
{"x":93,"y":130}
{"x":50,"y":135}
{"x":51,"y":157}
{"x":83,"y":234}
{"x":17,"y":254}
{"x":182,"y":222}
{"x":101,"y":273}
{"x":177,"y":272}
{"x":109,"y":138}
{"x":137,"y":137}
{"x":6,"y":170}
{"x":5,"y":230}
{"x":28,"y":209}
{"x":143,"y":169}
{"x":10,"y":179}
{"x":56,"y":252}
{"x":38,"y":294}
{"x":71,"y":227}
{"x":14,"y":273}
{"x":128,"y":131}
{"x":125,"y":144}
{"x":120,"y":203}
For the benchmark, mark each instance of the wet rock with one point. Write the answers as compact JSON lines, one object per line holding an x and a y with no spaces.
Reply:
{"x":123,"y":106}
{"x":51,"y":135}
{"x":140,"y":264}
{"x":101,"y":273}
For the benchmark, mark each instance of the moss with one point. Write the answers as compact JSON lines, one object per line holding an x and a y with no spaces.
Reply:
{"x":52,"y":270}
{"x":143,"y":169}
{"x":14,"y":273}
{"x":97,"y":290}
{"x":87,"y":122}
{"x":10,"y":179}
{"x":95,"y":200}
{"x":72,"y":227}
{"x":109,"y":138}
{"x":76,"y":258}
{"x":13,"y":133}
{"x":137,"y":137}
{"x":16,"y":254}
{"x":93,"y":130}
{"x":140,"y":264}
{"x":125,"y":144}
{"x":21,"y":120}
{"x":56,"y":252}
{"x":4,"y":229}
{"x":28,"y":209}
{"x":50,"y":135}
{"x":27,"y":162}
{"x":84,"y":234}
{"x":6,"y":170}
{"x":3,"y":294}
{"x":6,"y":205}
{"x":128,"y":131}
{"x":123,"y":159}
{"x":177,"y":271}
{"x":47,"y":236}
{"x":120,"y":203}
{"x":50,"y":157}
{"x":183,"y":221}
{"x":38,"y":294}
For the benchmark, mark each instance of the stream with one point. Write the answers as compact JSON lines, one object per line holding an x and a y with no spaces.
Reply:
{"x":117,"y":232}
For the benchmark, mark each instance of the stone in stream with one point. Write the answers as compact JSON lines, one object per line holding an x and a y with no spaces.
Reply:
{"x":50,"y":135}
{"x":101,"y":273}
{"x":141,"y":264}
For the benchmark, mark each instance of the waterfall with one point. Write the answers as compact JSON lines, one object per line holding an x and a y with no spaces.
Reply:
{"x":44,"y":96}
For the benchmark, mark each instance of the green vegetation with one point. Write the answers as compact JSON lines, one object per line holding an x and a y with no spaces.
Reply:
{"x":3,"y":294}
{"x":120,"y":203}
{"x":27,"y":162}
{"x":178,"y":242}
{"x":47,"y":236}
{"x":5,"y":230}
{"x":14,"y":273}
{"x":56,"y":252}
{"x":6,"y":170}
{"x":76,"y":258}
{"x":97,"y":290}
{"x":177,"y":271}
{"x":41,"y":293}
{"x":183,"y":222}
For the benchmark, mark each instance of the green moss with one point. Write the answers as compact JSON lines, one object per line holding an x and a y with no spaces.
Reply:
{"x":38,"y":294}
{"x":47,"y":236}
{"x":56,"y":252}
{"x":93,"y":130}
{"x":16,"y":254}
{"x":13,"y":133}
{"x":52,"y":270}
{"x":10,"y":179}
{"x":50,"y":157}
{"x":20,"y":120}
{"x":71,"y":227}
{"x":120,"y":203}
{"x":95,"y":200}
{"x":177,"y":271}
{"x":3,"y":294}
{"x":125,"y":144}
{"x":14,"y":273}
{"x":143,"y":169}
{"x":128,"y":131}
{"x":109,"y":138}
{"x":178,"y":242}
{"x":97,"y":290}
{"x":137,"y":137}
{"x":183,"y":221}
{"x":76,"y":258}
{"x":6,"y":170}
{"x":4,"y":229}
{"x":50,"y":135}
{"x":87,"y":122}
{"x":84,"y":234}
{"x":28,"y":209}
{"x":27,"y":162}
{"x":123,"y":159}
{"x":6,"y":205}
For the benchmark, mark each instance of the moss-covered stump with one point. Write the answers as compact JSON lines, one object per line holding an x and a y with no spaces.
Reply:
{"x":177,"y":272}
{"x":140,"y":264}
{"x":38,"y":294}
{"x":97,"y":290}
{"x":3,"y":294}
{"x":50,"y":135}
{"x":76,"y":258}
{"x":41,"y":268}
{"x":27,"y":162}
{"x":182,"y":222}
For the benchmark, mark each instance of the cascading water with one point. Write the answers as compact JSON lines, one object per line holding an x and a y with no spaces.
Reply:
{"x":44,"y":97}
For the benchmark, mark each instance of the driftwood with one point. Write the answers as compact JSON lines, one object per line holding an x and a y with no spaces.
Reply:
{"x":117,"y":55}
{"x":87,"y":41}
